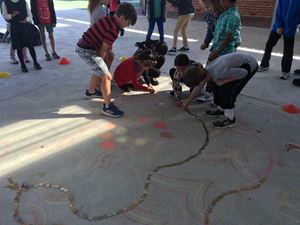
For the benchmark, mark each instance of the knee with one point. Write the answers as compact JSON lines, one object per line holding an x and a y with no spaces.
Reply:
{"x":107,"y":77}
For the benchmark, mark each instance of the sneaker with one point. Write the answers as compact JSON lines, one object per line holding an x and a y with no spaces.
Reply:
{"x":24,"y":69}
{"x":37,"y":66}
{"x":112,"y":111}
{"x":183,"y":49}
{"x":224,"y":123}
{"x":13,"y":61}
{"x":27,"y":61}
{"x":262,"y":68}
{"x":171,"y":93}
{"x":154,"y":82}
{"x":296,"y":82}
{"x":55,"y":55}
{"x":48,"y":57}
{"x":96,"y":94}
{"x":285,"y":76}
{"x":214,"y":113}
{"x":172,"y":51}
{"x":204,"y":97}
{"x":297,"y":72}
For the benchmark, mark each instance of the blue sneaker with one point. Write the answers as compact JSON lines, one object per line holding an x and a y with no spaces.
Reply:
{"x":112,"y":110}
{"x":96,"y":94}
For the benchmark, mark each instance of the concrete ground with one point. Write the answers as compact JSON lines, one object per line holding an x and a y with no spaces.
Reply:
{"x":158,"y":165}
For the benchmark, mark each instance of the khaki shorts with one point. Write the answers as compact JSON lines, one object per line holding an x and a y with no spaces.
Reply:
{"x":90,"y":57}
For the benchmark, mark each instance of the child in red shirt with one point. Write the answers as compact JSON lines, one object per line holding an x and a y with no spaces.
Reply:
{"x":128,"y":73}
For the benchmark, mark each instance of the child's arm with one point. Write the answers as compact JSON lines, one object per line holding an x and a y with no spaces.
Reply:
{"x":215,"y":54}
{"x":176,"y":86}
{"x":138,"y":86}
{"x":210,"y":29}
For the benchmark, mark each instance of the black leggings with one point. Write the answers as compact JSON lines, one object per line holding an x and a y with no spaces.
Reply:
{"x":21,"y":56}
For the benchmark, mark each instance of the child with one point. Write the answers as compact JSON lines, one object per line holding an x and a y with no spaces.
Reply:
{"x":230,"y":73}
{"x":97,"y":10}
{"x":156,"y":14}
{"x":159,"y":50}
{"x":213,"y":9}
{"x":113,"y":6}
{"x":287,"y":18}
{"x":95,"y":43}
{"x":18,"y":14}
{"x":181,"y":62}
{"x":44,"y":17}
{"x":226,"y":37}
{"x":128,"y":73}
{"x":186,"y":13}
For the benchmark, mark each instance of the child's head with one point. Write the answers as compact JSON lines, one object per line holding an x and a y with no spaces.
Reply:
{"x":125,"y":15}
{"x":226,"y":4}
{"x":181,"y":62}
{"x":93,"y":3}
{"x":145,"y":58}
{"x":193,"y":75}
{"x":160,"y":48}
{"x":213,"y":6}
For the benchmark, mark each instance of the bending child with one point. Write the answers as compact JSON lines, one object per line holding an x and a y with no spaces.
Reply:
{"x":128,"y":73}
{"x":94,"y":45}
{"x":229,"y":75}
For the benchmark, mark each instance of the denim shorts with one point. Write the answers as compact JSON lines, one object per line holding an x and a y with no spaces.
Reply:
{"x":96,"y":62}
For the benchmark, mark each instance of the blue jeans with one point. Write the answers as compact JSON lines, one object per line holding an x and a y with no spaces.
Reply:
{"x":160,"y":26}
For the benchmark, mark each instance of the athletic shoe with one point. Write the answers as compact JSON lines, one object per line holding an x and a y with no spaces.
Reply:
{"x":112,"y":111}
{"x":24,"y":69}
{"x":183,"y":49}
{"x":13,"y":61}
{"x":204,"y":97}
{"x":154,"y":82}
{"x":55,"y":56}
{"x":297,"y":72}
{"x":285,"y":76}
{"x":214,"y":113}
{"x":96,"y":94}
{"x":48,"y":57}
{"x":262,"y":68}
{"x":37,"y":66}
{"x":296,"y":82}
{"x":172,"y":51}
{"x":224,"y":123}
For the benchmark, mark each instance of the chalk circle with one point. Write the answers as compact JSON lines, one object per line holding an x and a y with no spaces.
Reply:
{"x":108,"y":145}
{"x":160,"y":125}
{"x":53,"y":196}
{"x":167,"y":135}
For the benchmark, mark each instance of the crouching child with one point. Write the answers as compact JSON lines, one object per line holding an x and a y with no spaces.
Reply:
{"x":230,"y":73}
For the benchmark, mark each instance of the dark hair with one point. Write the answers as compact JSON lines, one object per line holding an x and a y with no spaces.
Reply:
{"x":146,"y":57}
{"x":161,"y":48}
{"x":128,"y":11}
{"x":192,"y":76}
{"x":181,"y":60}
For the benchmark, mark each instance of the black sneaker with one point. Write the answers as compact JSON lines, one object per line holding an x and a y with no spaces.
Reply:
{"x":96,"y":94}
{"x":172,"y":51}
{"x":154,"y":82}
{"x":171,"y":93}
{"x":296,"y":82}
{"x":216,"y":112}
{"x":112,"y":111}
{"x":55,"y":56}
{"x":24,"y":69}
{"x":47,"y":57}
{"x":297,"y":72}
{"x":37,"y":66}
{"x":224,"y":123}
{"x":183,"y":49}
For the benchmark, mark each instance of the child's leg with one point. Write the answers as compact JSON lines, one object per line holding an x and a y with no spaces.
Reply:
{"x":94,"y":81}
{"x":160,"y":26}
{"x":187,"y":19}
{"x":43,"y":38}
{"x":272,"y":41}
{"x":178,"y":27}
{"x":288,"y":52}
{"x":105,"y":87}
{"x":150,"y":29}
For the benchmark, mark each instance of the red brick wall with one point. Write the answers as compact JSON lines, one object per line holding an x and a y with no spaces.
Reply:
{"x":253,"y":8}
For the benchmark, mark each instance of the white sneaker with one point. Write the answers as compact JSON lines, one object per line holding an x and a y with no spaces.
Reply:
{"x":285,"y":76}
{"x":204,"y":97}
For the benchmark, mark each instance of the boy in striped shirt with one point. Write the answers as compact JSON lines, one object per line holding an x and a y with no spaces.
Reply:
{"x":94,"y":44}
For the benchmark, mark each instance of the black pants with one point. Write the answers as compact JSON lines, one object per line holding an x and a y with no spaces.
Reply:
{"x":225,"y":95}
{"x":288,"y":51}
{"x":127,"y":87}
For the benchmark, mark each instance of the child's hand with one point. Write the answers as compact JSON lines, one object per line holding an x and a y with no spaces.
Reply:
{"x":151,"y":89}
{"x":203,"y":46}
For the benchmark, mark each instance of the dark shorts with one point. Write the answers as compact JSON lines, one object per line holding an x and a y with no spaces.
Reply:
{"x":48,"y":27}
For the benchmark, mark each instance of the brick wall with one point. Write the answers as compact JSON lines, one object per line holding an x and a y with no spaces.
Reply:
{"x":247,"y":8}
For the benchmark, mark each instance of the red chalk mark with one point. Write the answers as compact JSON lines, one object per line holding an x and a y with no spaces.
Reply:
{"x":290,"y":147}
{"x":166,"y":134}
{"x":160,"y":125}
{"x":145,"y":120}
{"x":108,"y":145}
{"x":290,"y":108}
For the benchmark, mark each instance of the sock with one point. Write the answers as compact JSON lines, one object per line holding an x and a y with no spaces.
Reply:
{"x":229,"y":113}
